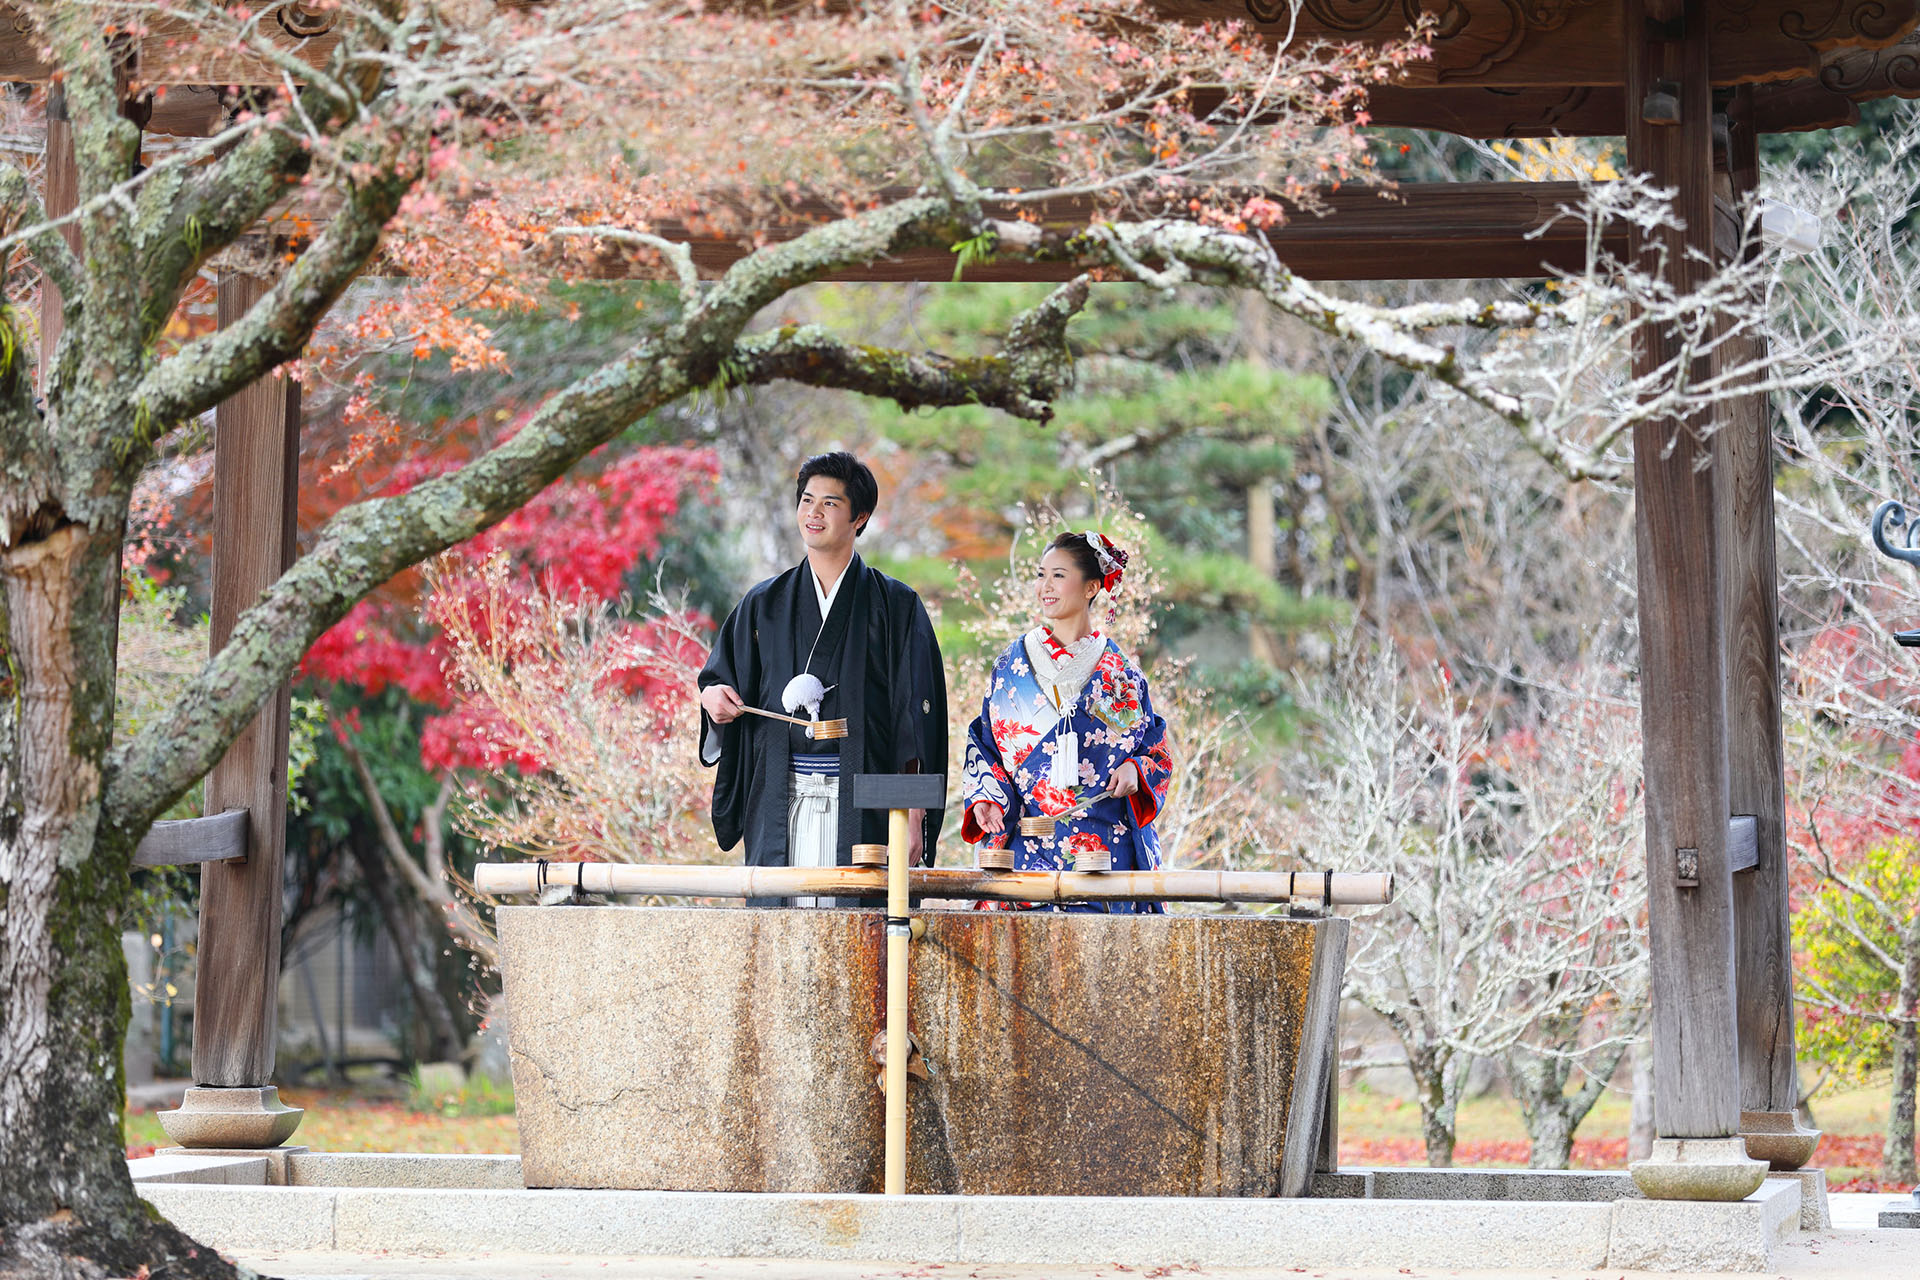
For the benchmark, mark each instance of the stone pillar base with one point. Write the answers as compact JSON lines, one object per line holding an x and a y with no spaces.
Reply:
{"x":279,"y":1159}
{"x":1777,"y":1138}
{"x":231,"y":1119}
{"x":1698,"y":1169}
{"x":1814,"y":1215}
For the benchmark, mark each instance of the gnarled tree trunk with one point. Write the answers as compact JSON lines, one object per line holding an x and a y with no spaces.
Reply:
{"x":1897,"y":1159}
{"x":64,"y":1190}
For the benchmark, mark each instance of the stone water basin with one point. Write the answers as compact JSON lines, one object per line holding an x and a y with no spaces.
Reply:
{"x":727,"y":1049}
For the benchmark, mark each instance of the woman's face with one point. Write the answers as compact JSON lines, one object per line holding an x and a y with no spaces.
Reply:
{"x":1063,"y":591}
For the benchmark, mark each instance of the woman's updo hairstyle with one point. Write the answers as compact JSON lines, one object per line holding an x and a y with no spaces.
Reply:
{"x":1094,"y":556}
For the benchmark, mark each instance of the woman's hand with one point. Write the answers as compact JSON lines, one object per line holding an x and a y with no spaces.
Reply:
{"x":1126,"y":779}
{"x":989,"y":817}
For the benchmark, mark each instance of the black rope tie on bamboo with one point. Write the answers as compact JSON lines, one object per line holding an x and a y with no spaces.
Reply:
{"x":1326,"y":893}
{"x":540,"y":877}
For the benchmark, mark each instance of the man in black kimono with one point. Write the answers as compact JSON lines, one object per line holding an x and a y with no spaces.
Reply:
{"x":867,"y":638}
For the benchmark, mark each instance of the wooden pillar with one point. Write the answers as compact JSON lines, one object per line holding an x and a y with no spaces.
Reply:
{"x":62,"y":196}
{"x":255,"y":480}
{"x":1683,"y":651}
{"x":1763,"y":946}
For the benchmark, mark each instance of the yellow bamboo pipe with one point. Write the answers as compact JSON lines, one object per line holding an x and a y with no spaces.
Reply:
{"x":898,"y":935}
{"x":1340,"y":888}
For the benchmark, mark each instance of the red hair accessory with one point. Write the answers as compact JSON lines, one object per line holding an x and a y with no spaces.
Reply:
{"x":1113,"y":561}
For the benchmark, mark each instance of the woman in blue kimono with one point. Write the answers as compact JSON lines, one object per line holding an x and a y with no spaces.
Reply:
{"x":1068,"y":728}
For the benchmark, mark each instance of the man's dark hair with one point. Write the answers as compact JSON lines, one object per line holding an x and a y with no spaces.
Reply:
{"x":863,"y":491}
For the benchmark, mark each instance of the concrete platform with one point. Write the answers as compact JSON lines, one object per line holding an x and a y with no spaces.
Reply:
{"x":1845,"y":1255}
{"x":981,"y":1230}
{"x":234,"y":1171}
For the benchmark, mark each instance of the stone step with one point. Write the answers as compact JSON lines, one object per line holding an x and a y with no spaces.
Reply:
{"x":1064,"y":1230}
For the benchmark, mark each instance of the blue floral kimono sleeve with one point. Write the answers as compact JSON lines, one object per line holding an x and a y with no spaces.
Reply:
{"x":984,"y":777}
{"x":1154,"y":760}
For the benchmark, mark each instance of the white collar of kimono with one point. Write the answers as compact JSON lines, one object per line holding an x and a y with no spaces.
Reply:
{"x":1070,"y":675}
{"x":825,"y":595}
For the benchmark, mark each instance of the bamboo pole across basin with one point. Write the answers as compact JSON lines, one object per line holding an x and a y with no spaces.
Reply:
{"x":1328,"y":888}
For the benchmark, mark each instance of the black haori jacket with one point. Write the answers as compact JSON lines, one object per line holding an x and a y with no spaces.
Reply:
{"x":878,"y":651}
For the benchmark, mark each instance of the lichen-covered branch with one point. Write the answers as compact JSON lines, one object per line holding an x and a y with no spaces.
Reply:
{"x":676,"y":253}
{"x":276,"y":329}
{"x":1022,"y":380}
{"x":188,"y":214}
{"x":49,"y":248}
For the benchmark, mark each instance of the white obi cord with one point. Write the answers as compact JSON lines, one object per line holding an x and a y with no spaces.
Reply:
{"x":813,"y":823}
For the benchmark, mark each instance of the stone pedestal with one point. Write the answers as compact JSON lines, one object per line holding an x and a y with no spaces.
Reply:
{"x":726,"y":1049}
{"x":1815,"y":1214}
{"x":231,"y":1119}
{"x":279,"y":1160}
{"x":1698,"y":1169}
{"x":1777,"y":1138}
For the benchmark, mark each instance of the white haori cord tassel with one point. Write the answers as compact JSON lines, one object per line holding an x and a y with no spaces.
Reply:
{"x":804,"y":690}
{"x":1064,"y":772}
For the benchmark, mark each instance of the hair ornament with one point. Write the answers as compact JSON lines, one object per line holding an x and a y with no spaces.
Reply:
{"x":1113,"y":561}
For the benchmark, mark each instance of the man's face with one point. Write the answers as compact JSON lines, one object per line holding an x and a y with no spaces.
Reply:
{"x":825,"y":516}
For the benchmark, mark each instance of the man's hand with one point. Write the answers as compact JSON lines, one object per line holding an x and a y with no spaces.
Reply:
{"x":989,"y":817}
{"x":916,"y":835}
{"x":721,"y":703}
{"x":1126,"y":779}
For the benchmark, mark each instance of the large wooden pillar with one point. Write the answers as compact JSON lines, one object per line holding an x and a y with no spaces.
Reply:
{"x":255,"y":480}
{"x":1697,"y":1152}
{"x":1763,"y":945}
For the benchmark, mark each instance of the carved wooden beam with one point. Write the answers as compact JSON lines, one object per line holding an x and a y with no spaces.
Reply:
{"x":1846,"y":78}
{"x":1861,"y":74}
{"x":1510,"y":44}
{"x":1520,"y":44}
{"x":1827,"y":100}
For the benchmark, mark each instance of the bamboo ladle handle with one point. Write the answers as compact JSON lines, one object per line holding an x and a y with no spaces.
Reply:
{"x":775,"y":715}
{"x":822,"y":730}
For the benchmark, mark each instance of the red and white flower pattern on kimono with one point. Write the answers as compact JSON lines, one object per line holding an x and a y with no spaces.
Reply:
{"x":1010,"y":747}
